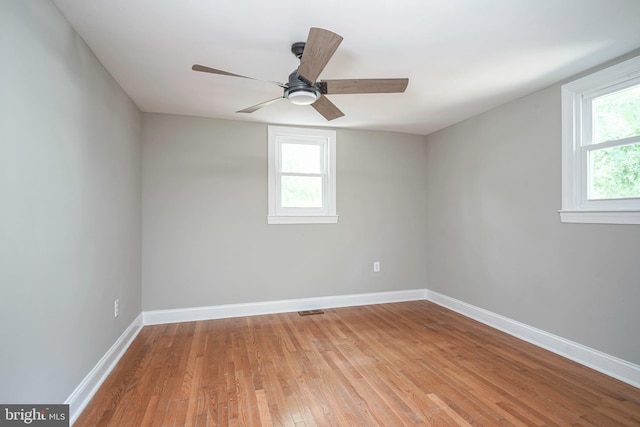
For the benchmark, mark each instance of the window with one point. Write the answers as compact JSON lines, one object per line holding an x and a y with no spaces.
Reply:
{"x":601,"y":146}
{"x":302,"y":176}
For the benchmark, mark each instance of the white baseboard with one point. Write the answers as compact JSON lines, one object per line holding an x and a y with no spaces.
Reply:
{"x":609,"y":365}
{"x":81,"y":396}
{"x":158,"y":317}
{"x":83,"y":393}
{"x":594,"y":359}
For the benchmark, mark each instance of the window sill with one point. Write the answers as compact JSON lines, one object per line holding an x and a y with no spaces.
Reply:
{"x":600,"y":217}
{"x":330,"y":219}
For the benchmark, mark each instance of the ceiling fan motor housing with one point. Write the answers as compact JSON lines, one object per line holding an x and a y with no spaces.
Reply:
{"x":300,"y":92}
{"x":297,"y":49}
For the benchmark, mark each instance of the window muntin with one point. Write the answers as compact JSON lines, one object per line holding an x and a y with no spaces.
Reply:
{"x":301,"y":176}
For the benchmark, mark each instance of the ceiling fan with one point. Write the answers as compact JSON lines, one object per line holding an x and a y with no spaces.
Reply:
{"x":303,"y":88}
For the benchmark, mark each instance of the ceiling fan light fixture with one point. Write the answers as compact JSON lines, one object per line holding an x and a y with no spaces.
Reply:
{"x":303,"y":97}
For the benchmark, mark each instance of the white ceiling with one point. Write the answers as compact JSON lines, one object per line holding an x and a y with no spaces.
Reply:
{"x":462,"y":57}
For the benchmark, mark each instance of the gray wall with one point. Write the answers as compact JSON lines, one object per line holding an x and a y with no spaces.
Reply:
{"x":70,"y":206}
{"x":472,"y":214}
{"x":495,"y":239}
{"x":205,"y":235}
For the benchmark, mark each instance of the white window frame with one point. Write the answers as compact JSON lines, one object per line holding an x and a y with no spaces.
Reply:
{"x":576,"y":134}
{"x":326,"y":140}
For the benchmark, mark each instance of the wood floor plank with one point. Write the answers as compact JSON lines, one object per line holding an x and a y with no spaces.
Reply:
{"x":400,"y":364}
{"x":263,"y":409}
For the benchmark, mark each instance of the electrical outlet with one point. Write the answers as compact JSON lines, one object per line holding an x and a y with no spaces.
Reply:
{"x":116,"y":308}
{"x":376,"y":266}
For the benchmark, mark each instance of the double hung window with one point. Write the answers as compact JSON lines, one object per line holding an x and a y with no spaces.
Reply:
{"x":601,"y":146}
{"x":302,"y":175}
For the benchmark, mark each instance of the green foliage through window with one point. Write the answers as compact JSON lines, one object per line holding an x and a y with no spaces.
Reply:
{"x":617,"y":116}
{"x":615,"y":171}
{"x":301,"y":192}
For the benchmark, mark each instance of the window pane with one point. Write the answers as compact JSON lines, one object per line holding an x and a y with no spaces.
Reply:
{"x":301,"y":192}
{"x":301,"y":158}
{"x":617,"y":115}
{"x":615,"y":172}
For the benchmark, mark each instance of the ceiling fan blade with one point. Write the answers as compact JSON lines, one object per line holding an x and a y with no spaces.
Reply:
{"x":204,"y":69}
{"x":320,"y":46}
{"x":348,"y":86}
{"x":259,"y":106}
{"x":328,"y":110}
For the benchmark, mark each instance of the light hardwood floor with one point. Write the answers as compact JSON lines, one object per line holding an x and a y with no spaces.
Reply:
{"x":400,"y":364}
